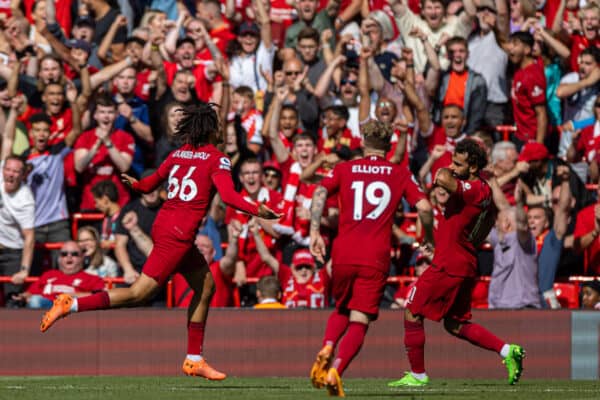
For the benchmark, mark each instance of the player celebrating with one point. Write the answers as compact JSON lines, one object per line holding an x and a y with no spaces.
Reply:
{"x":193,"y":172}
{"x":444,"y":289}
{"x":369,"y":190}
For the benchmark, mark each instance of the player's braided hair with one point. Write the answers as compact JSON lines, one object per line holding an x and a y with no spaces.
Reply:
{"x":199,"y":124}
{"x":476,"y":154}
{"x":377,"y":134}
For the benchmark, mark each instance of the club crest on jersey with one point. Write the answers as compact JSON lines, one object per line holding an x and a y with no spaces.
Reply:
{"x":225,"y":163}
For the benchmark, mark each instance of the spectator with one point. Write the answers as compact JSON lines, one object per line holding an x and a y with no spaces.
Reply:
{"x":17,"y":235}
{"x":268,"y":292}
{"x":95,"y":261}
{"x":579,"y":91}
{"x":272,"y":175}
{"x":587,"y":229}
{"x":69,"y":278}
{"x":133,"y":117}
{"x":106,"y":199}
{"x":307,"y":50}
{"x":167,"y":142}
{"x":133,"y":227}
{"x":222,"y":271}
{"x":488,"y":57}
{"x":528,"y":91}
{"x":304,"y":286}
{"x":585,"y":32}
{"x":336,"y":135}
{"x":103,"y":153}
{"x":514,"y":277}
{"x":462,"y":86}
{"x":308,"y":15}
{"x":243,"y":104}
{"x":376,"y":31}
{"x":254,"y":57}
{"x":591,"y":295}
{"x":435,"y":24}
{"x":506,"y":169}
{"x":584,"y":145}
{"x":209,"y":12}
{"x":105,"y":12}
{"x":254,"y":192}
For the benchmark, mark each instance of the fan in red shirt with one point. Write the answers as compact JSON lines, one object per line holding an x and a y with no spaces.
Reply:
{"x":256,"y":193}
{"x":444,"y":289}
{"x":209,"y":12}
{"x":528,"y":91}
{"x":69,"y":278}
{"x":222,"y":270}
{"x":588,"y":37}
{"x":303,"y":285}
{"x":194,"y":172}
{"x":370,"y":190}
{"x":587,"y":229}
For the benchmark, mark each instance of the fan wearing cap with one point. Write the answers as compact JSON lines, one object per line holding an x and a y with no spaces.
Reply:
{"x":253,"y":58}
{"x":591,"y":295}
{"x":303,"y":285}
{"x":528,"y":92}
{"x":434,"y":23}
{"x":272,"y":175}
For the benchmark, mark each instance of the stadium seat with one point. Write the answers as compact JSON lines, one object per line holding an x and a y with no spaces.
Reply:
{"x":479,"y":297}
{"x":567,"y":294}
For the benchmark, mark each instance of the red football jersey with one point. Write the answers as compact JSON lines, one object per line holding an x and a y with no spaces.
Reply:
{"x":466,"y":221}
{"x":55,"y":282}
{"x":102,"y":167}
{"x":588,"y":143}
{"x":369,"y":192}
{"x":190,"y":172}
{"x":585,"y":224}
{"x":528,"y":90}
{"x":312,"y":294}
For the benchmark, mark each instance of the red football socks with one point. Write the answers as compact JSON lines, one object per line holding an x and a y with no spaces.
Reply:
{"x":414,"y":341}
{"x":350,"y":345}
{"x":479,"y":336}
{"x":96,"y":301}
{"x":195,"y":337}
{"x":336,"y":326}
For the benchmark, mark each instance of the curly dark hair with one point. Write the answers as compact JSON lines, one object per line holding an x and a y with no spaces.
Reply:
{"x":199,"y":125}
{"x":476,"y":155}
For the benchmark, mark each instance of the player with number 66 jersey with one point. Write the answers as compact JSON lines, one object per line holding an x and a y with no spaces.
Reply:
{"x":369,"y":190}
{"x":193,"y":172}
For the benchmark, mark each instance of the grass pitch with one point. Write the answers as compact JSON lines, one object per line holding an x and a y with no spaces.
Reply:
{"x":134,"y":388}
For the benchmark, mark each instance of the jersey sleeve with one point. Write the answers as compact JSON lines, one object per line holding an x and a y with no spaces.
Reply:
{"x":332,"y":181}
{"x":221,"y":177}
{"x":473,"y":192}
{"x":413,"y":192}
{"x":583,"y":224}
{"x":151,"y":182}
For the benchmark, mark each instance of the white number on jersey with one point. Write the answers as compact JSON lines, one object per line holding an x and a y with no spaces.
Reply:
{"x":377,"y":194}
{"x":187,"y":189}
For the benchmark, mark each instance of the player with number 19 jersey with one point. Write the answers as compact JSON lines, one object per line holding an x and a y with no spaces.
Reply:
{"x":369,"y":190}
{"x":193,"y":174}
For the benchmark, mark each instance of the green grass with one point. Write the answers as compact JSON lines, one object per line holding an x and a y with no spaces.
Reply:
{"x":134,"y":388}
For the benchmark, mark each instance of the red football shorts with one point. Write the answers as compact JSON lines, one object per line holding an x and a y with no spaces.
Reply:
{"x":170,"y":255}
{"x":437,"y":295}
{"x":359,"y":288}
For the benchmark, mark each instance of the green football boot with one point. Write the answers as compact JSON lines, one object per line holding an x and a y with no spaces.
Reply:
{"x":514,"y":363}
{"x":409,"y":380}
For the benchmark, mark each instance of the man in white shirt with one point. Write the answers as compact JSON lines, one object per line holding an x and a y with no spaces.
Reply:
{"x":17,"y":210}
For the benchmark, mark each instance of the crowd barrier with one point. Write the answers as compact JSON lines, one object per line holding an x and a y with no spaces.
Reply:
{"x":243,"y":342}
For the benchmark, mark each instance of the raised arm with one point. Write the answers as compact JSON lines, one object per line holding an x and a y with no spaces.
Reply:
{"x":500,"y":200}
{"x":364,"y":106}
{"x":263,"y":20}
{"x":8,"y":135}
{"x":227,"y":262}
{"x":317,"y":244}
{"x":322,"y":86}
{"x":107,"y":41}
{"x":109,"y":72}
{"x":561,"y":217}
{"x":261,"y":248}
{"x":281,"y":152}
{"x":75,"y":131}
{"x":523,"y":233}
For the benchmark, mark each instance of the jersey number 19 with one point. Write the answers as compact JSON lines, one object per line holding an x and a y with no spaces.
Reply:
{"x":376,"y":193}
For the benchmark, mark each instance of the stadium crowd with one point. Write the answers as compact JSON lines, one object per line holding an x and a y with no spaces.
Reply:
{"x":91,"y":89}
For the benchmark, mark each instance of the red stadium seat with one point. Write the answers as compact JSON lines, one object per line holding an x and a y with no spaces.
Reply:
{"x":567,"y":294}
{"x":479,"y":297}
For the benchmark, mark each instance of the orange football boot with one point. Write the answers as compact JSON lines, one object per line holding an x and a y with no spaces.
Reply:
{"x":318,"y":372}
{"x":201,"y":368}
{"x":60,"y":309}
{"x":334,"y":385}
